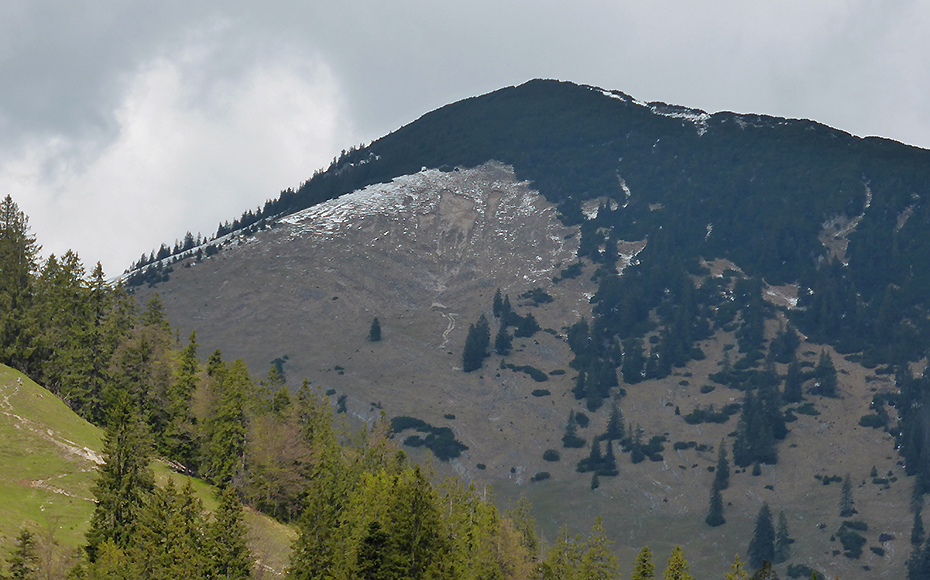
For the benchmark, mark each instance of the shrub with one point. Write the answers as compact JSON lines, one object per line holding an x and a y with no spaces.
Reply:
{"x":877,"y":551}
{"x":582,"y":420}
{"x":552,"y":455}
{"x":541,"y":392}
{"x":707,"y":388}
{"x":802,"y":571}
{"x":874,"y":421}
{"x":572,"y":441}
{"x":852,"y":542}
{"x":541,"y":476}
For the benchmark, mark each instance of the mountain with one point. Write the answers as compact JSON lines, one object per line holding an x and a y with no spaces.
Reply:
{"x":690,"y":268}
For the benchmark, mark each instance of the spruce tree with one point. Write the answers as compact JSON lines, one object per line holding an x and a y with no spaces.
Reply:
{"x":722,"y":471}
{"x":502,"y":342}
{"x":677,"y":568}
{"x":227,"y":426}
{"x":917,"y":532}
{"x":597,"y":559}
{"x":498,"y":305}
{"x":18,"y":252}
{"x":374,"y":333}
{"x":826,"y":375}
{"x":124,"y":481}
{"x":794,"y":379}
{"x":783,"y":540}
{"x":614,"y":429}
{"x":644,"y":569}
{"x":846,"y":499}
{"x":23,"y":559}
{"x":715,"y":512}
{"x":762,"y":545}
{"x":227,"y":537}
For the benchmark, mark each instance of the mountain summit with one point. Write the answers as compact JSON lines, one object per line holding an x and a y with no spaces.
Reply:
{"x":664,"y":283}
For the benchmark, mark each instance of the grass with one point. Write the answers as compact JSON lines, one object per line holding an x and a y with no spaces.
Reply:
{"x":47,"y":469}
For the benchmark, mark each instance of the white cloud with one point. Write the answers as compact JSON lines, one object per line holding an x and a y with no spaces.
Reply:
{"x":190,"y":151}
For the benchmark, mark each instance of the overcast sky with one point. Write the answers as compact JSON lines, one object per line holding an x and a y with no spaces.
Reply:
{"x":125,"y":124}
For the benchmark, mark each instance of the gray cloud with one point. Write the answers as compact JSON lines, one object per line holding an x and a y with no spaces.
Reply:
{"x":124,"y":125}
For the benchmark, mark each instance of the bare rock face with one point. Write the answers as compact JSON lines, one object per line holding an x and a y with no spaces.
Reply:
{"x":423,"y":253}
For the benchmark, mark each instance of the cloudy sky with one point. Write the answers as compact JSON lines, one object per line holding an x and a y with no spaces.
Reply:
{"x":125,"y":124}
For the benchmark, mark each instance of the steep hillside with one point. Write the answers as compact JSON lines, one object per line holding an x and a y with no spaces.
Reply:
{"x":424,"y":254}
{"x":48,"y":461}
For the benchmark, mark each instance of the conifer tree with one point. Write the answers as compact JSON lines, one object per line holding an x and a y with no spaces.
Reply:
{"x":124,"y":481}
{"x":722,"y":471}
{"x":23,"y":560}
{"x":644,"y":569}
{"x":571,"y":439}
{"x":793,"y":382}
{"x":782,"y":540}
{"x":476,"y":345}
{"x":498,"y":304}
{"x":598,"y":561}
{"x":846,"y":499}
{"x":762,"y":545}
{"x":563,"y":557}
{"x":737,"y":571}
{"x":917,"y":532}
{"x":715,"y":513}
{"x":18,"y":252}
{"x":826,"y":375}
{"x":374,"y":333}
{"x":677,"y":568}
{"x":614,"y":429}
{"x":227,"y":538}
{"x":502,"y":342}
{"x":227,"y":426}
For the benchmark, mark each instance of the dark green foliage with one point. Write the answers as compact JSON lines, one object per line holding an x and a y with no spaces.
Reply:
{"x":614,"y":429}
{"x":541,"y":392}
{"x":852,"y":541}
{"x":551,"y":455}
{"x":710,"y":415}
{"x":476,"y":345}
{"x":783,"y":540}
{"x":23,"y":559}
{"x":917,"y":531}
{"x":715,"y":511}
{"x":571,"y":439}
{"x":803,"y":571}
{"x":227,"y":538}
{"x":498,"y":304}
{"x":722,"y":471}
{"x":825,"y":376}
{"x":534,"y":373}
{"x":123,"y":483}
{"x":503,"y":341}
{"x":582,"y":420}
{"x":540,"y":476}
{"x":846,"y":499}
{"x":374,"y":333}
{"x":762,"y":545}
{"x":537,"y":296}
{"x":873,"y":421}
{"x":526,"y":326}
{"x":793,"y":382}
{"x":440,"y":440}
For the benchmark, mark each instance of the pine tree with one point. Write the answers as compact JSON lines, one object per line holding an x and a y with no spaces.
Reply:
{"x":677,"y":568}
{"x":793,"y":382}
{"x":227,"y":538}
{"x":374,"y":333}
{"x":614,"y":429}
{"x":917,"y":532}
{"x":503,"y":342}
{"x":737,"y":571}
{"x":23,"y":559}
{"x":762,"y":545}
{"x":782,"y":540}
{"x":846,"y":499}
{"x":498,"y":305}
{"x":826,"y":375}
{"x":722,"y":471}
{"x":597,"y":560}
{"x":644,"y":569}
{"x":715,"y":513}
{"x":18,"y":252}
{"x":124,"y":481}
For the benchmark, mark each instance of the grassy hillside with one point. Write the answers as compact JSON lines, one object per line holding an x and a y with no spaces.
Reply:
{"x":48,"y":459}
